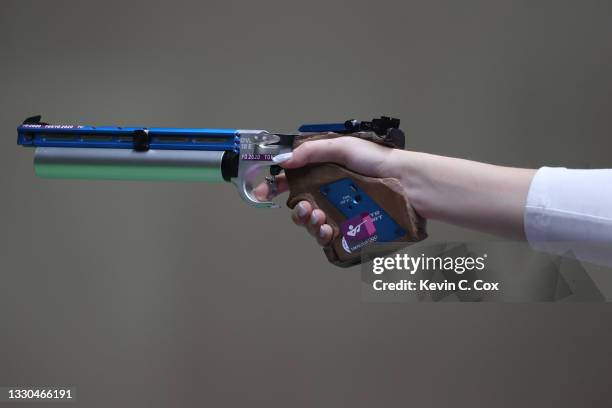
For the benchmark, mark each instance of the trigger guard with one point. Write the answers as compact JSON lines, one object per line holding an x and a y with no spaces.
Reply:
{"x":244,"y":183}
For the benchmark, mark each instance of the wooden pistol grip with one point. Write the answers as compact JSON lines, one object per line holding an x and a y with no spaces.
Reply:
{"x":387,"y":193}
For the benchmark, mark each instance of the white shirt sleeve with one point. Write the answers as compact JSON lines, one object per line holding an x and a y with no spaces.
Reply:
{"x":571,"y":210}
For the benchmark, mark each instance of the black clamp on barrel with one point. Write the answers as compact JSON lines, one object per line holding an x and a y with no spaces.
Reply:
{"x":141,"y":140}
{"x":379,"y":126}
{"x":385,"y":127}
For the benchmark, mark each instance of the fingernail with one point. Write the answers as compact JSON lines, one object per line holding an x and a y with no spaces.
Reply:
{"x":280,"y":158}
{"x":314,"y":218}
{"x":301,"y":210}
{"x":322,"y":231}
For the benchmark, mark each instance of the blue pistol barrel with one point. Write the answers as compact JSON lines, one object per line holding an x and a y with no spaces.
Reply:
{"x":130,"y":153}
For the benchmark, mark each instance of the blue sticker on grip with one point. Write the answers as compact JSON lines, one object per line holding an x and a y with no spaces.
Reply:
{"x":365,"y":222}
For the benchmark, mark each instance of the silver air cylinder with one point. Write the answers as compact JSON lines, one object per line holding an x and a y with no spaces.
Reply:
{"x":127,"y":164}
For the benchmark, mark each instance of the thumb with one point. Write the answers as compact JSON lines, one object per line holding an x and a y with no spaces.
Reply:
{"x":356,"y":154}
{"x":315,"y":151}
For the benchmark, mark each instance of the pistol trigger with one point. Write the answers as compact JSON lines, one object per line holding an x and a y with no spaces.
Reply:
{"x":275,"y":170}
{"x":272,"y":187}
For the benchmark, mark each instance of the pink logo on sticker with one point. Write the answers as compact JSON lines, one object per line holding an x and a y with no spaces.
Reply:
{"x":358,"y":228}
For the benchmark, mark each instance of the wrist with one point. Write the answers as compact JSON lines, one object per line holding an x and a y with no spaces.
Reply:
{"x":467,"y":193}
{"x":411,"y":169}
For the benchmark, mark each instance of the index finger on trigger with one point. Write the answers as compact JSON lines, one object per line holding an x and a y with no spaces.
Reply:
{"x":264,"y":192}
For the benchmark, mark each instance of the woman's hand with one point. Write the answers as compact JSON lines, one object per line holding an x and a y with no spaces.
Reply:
{"x":359,"y":155}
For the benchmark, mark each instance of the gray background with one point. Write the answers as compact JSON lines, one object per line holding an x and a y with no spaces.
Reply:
{"x":152,"y":294}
